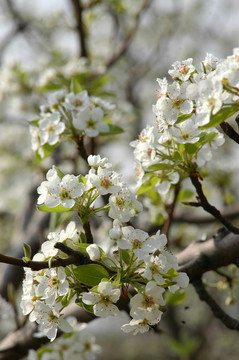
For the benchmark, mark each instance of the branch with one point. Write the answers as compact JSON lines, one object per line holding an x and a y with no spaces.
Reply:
{"x":80,"y":27}
{"x":228,"y":321}
{"x":229,"y":131}
{"x":202,"y":256}
{"x":230,"y":212}
{"x":74,"y":258}
{"x":128,"y":37}
{"x":202,"y":201}
{"x":170,"y":211}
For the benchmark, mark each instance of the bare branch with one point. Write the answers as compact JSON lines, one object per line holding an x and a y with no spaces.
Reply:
{"x":80,"y":27}
{"x":229,"y":131}
{"x":227,"y":320}
{"x":128,"y":36}
{"x":202,"y":201}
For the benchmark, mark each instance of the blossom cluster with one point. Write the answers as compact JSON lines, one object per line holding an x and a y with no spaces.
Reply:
{"x":138,"y":265}
{"x":187,"y":111}
{"x":68,"y":116}
{"x":77,"y":345}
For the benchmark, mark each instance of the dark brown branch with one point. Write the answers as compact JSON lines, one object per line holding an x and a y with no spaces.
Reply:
{"x":88,"y":233}
{"x":202,"y":201}
{"x":228,"y":321}
{"x":80,"y":27}
{"x":202,"y":256}
{"x":229,"y":131}
{"x":75,"y":258}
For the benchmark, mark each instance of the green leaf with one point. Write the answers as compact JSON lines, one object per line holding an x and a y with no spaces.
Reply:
{"x":221,"y":116}
{"x":185,"y":347}
{"x":185,"y":194}
{"x":175,"y":299}
{"x":27,"y":250}
{"x":48,"y":150}
{"x":90,"y":275}
{"x":59,"y":172}
{"x":113,"y":130}
{"x":183,"y":117}
{"x":161,"y":166}
{"x":125,"y":256}
{"x":75,"y":86}
{"x":58,"y":208}
{"x":88,"y":308}
{"x":67,"y":298}
{"x":148,"y":184}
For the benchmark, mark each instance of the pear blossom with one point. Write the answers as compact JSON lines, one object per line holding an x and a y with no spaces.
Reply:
{"x":103,"y":300}
{"x":52,"y":284}
{"x":124,"y":205}
{"x":36,"y":140}
{"x":95,"y":161}
{"x":182,"y":281}
{"x":90,"y":121}
{"x":78,"y":102}
{"x":51,"y":127}
{"x":56,"y":191}
{"x":136,"y":326}
{"x":139,"y":241}
{"x":182,"y":69}
{"x":105,"y":181}
{"x":49,"y":319}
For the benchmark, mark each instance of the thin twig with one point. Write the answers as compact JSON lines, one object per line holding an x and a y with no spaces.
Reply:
{"x":128,"y":36}
{"x":227,"y":320}
{"x":202,"y":201}
{"x":170,"y":211}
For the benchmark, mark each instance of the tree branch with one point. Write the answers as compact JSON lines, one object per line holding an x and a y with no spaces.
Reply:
{"x":227,"y":320}
{"x":229,"y":131}
{"x":80,"y":27}
{"x":74,"y":258}
{"x":202,"y":201}
{"x":202,"y":256}
{"x":128,"y":36}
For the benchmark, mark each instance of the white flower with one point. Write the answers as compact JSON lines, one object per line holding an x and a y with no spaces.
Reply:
{"x":105,"y":181}
{"x":93,"y":252}
{"x":103,"y":300}
{"x":52,"y":284}
{"x":124,"y":205}
{"x":156,"y":266}
{"x":57,"y":191}
{"x":35,"y":140}
{"x":49,"y":319}
{"x":56,"y":98}
{"x":77,"y":102}
{"x":185,"y":132}
{"x":139,"y":241}
{"x":182,"y":281}
{"x":136,"y":326}
{"x":95,"y":161}
{"x":116,"y":233}
{"x":51,"y":127}
{"x":182,"y":69}
{"x":90,"y":121}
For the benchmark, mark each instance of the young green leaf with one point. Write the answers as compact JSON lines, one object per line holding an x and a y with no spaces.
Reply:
{"x":90,"y":275}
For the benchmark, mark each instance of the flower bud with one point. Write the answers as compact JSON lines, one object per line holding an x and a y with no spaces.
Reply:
{"x":93,"y":252}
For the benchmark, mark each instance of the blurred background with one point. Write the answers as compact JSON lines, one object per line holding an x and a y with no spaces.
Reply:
{"x":130,"y":43}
